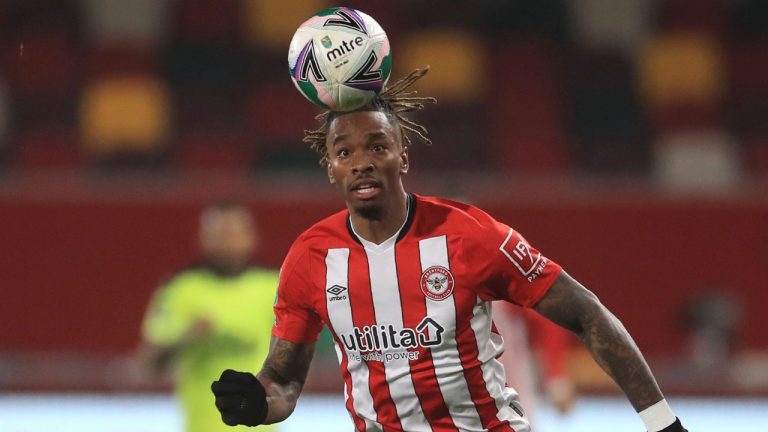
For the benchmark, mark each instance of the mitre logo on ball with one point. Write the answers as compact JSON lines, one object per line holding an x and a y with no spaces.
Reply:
{"x":437,"y":283}
{"x":340,"y":59}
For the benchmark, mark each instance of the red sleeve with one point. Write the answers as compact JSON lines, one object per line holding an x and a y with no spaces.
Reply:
{"x":509,"y":267}
{"x":295,"y":318}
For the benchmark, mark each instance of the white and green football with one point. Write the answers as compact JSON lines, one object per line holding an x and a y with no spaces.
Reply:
{"x":340,"y":59}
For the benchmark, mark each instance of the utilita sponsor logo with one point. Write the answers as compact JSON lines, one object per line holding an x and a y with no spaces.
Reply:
{"x":387,"y":337}
{"x":386,"y":343}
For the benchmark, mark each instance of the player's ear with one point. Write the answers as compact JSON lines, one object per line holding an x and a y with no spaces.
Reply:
{"x":404,"y":161}
{"x":331,"y":173}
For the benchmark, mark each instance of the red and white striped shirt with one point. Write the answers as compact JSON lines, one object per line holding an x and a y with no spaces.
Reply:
{"x":411,"y":317}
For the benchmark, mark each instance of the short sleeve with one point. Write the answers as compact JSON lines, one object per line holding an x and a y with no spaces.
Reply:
{"x":295,"y":318}
{"x":511,"y":269}
{"x":165,"y":320}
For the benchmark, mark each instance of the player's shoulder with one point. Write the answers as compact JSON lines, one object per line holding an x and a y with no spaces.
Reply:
{"x":327,"y":233}
{"x":189,"y":273}
{"x":181,"y":281}
{"x":456,"y":213}
{"x":259,"y":275}
{"x":258,"y":270}
{"x":331,"y":228}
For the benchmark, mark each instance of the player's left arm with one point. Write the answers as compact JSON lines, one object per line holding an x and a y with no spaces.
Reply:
{"x":283,"y":375}
{"x":270,"y":396}
{"x":572,"y":306}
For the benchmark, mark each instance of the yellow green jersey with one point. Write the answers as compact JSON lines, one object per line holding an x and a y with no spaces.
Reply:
{"x":239,"y":310}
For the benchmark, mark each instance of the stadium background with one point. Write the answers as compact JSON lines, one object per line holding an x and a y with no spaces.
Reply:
{"x":627,"y":138}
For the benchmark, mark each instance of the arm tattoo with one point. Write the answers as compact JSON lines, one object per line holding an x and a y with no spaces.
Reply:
{"x":572,"y":306}
{"x":287,"y":362}
{"x":283,"y":375}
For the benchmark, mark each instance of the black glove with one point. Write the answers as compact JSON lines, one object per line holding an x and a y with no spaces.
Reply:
{"x":240,"y":398}
{"x":675,"y":427}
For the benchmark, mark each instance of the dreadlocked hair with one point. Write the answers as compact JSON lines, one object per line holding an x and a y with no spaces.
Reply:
{"x":394,"y":101}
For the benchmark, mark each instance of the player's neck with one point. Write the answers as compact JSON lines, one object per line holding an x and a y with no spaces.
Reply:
{"x":382,"y":228}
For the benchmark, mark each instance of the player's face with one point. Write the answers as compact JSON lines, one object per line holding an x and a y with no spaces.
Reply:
{"x":366,"y":160}
{"x":228,"y":239}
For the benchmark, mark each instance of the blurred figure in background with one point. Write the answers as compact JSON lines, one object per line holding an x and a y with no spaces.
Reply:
{"x":535,"y":358}
{"x":212,"y":316}
{"x":712,"y":319}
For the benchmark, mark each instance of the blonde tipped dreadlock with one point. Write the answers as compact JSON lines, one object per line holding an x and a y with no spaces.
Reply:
{"x":395,"y":101}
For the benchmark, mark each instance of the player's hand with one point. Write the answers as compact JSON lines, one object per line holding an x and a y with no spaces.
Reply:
{"x":240,"y":398}
{"x":675,"y":427}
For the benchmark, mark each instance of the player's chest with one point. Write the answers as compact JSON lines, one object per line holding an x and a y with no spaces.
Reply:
{"x":399,"y":286}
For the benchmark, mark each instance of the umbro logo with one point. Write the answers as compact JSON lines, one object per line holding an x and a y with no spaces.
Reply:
{"x":336,"y":292}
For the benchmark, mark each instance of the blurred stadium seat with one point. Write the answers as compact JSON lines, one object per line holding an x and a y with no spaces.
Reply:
{"x":276,"y":117}
{"x":206,"y":64}
{"x":211,"y":53}
{"x":605,"y":115}
{"x":271,"y":24}
{"x":684,"y":82}
{"x":623,"y":25}
{"x":119,"y":59}
{"x":43,"y":77}
{"x":747,"y":19}
{"x":698,"y":161}
{"x":526,"y":118}
{"x":543,"y":19}
{"x":457,"y":60}
{"x":125,"y":117}
{"x":214,"y":21}
{"x":208,"y":83}
{"x":279,"y":114}
{"x":709,"y":16}
{"x":459,"y":14}
{"x":681,"y":66}
{"x":21,"y":17}
{"x":141,"y":22}
{"x":45,"y":61}
{"x":460,"y":135}
{"x":747,"y":99}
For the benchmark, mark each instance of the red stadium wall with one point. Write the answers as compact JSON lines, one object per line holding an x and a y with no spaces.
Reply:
{"x":77,"y":276}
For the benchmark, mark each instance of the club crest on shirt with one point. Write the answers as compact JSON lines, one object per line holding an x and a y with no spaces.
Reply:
{"x":437,"y":283}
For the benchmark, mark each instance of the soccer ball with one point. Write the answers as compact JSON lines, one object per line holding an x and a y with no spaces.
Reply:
{"x":340,"y":59}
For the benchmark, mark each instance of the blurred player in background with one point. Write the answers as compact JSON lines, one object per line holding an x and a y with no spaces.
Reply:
{"x":535,"y":358}
{"x":212,"y":316}
{"x":405,"y":284}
